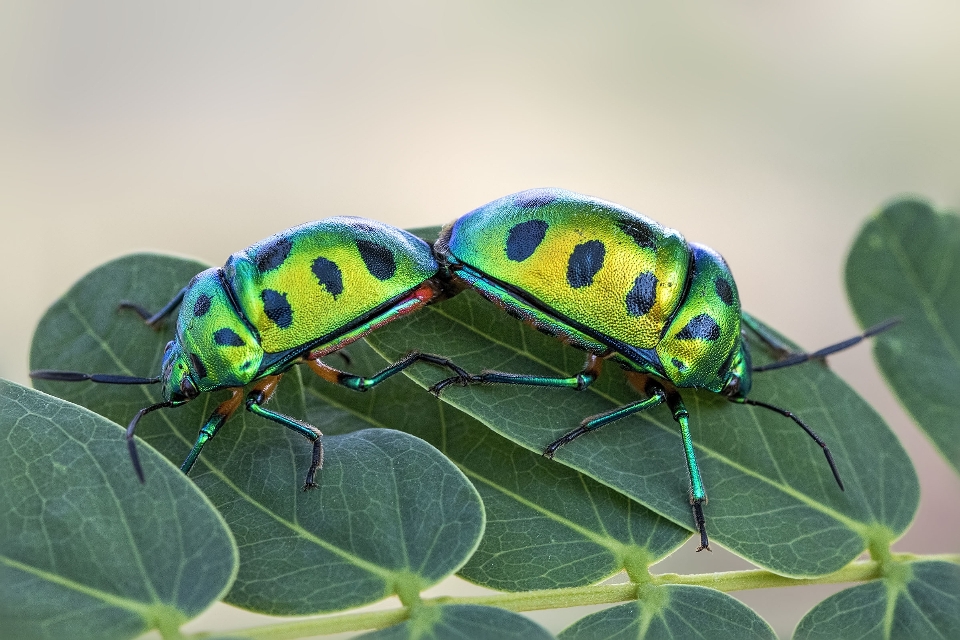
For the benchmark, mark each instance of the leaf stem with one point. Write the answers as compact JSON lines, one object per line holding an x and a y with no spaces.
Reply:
{"x":859,"y":571}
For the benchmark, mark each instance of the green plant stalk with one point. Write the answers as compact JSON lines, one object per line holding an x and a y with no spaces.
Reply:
{"x":860,"y":571}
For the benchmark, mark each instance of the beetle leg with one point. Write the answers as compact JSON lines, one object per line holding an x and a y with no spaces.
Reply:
{"x":258,"y":396}
{"x":362,"y":383}
{"x":698,"y":495}
{"x":580,"y":381}
{"x":595,"y":422}
{"x":212,"y":426}
{"x":153,"y":320}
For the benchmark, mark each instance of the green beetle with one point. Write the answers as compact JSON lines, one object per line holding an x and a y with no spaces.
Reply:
{"x":619,"y":286}
{"x":293,"y":298}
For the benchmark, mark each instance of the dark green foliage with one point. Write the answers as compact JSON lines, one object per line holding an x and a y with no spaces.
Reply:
{"x":772,"y":496}
{"x":547,"y":525}
{"x":906,"y":263}
{"x":915,"y":600}
{"x":87,"y":552}
{"x":670,"y":612}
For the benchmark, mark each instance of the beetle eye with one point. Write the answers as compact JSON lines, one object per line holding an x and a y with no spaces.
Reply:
{"x":188,"y":389}
{"x":732,"y":387}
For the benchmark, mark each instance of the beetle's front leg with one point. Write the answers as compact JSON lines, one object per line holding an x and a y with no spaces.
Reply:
{"x":255,"y":401}
{"x":698,"y":495}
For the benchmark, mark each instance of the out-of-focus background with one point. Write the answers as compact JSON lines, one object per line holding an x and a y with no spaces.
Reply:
{"x":768,"y":131}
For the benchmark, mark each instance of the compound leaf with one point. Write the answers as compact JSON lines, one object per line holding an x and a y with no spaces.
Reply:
{"x":773,"y":499}
{"x":548,"y":526}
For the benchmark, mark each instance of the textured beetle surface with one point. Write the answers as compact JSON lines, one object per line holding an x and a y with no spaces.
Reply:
{"x":293,"y":292}
{"x":606,"y":278}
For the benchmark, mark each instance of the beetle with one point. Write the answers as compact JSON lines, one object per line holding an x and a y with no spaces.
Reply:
{"x":292,"y":298}
{"x":621,"y":287}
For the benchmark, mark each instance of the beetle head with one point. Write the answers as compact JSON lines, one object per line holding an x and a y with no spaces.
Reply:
{"x":178,"y":382}
{"x":738,"y":380}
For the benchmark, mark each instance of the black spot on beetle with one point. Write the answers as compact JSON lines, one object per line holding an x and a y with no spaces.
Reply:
{"x":641,"y":233}
{"x":329,"y":275}
{"x":584,"y":263}
{"x":277,"y":308}
{"x":643,"y":295}
{"x":524,"y":238}
{"x":271,"y":255}
{"x":227,"y":337}
{"x":533,"y":198}
{"x":379,"y":260}
{"x":679,"y":365}
{"x":198,"y":365}
{"x":724,"y":290}
{"x":701,"y":327}
{"x":201,"y":306}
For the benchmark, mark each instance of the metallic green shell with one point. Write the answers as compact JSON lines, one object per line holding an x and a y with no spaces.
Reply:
{"x":311,"y":286}
{"x":604,"y":278}
{"x":306,"y":284}
{"x":502,"y":240}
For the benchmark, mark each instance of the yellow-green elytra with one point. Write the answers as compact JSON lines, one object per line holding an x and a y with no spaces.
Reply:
{"x":622,"y":287}
{"x":293,"y":298}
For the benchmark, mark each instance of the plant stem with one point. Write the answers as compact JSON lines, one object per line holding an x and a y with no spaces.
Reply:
{"x":859,"y":571}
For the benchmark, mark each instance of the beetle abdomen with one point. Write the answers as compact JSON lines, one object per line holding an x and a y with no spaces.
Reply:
{"x":311,"y":281}
{"x":607,"y":267}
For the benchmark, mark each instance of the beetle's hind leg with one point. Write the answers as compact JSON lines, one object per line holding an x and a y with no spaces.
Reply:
{"x":364,"y":383}
{"x":595,"y":422}
{"x":580,"y":381}
{"x":154,"y":320}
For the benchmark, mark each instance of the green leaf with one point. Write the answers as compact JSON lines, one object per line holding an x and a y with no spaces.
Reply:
{"x":470,"y":622}
{"x":906,"y":263}
{"x":671,"y":612}
{"x":86,"y":551}
{"x":392,"y":515}
{"x":548,"y":526}
{"x":773,"y":499}
{"x":915,"y":600}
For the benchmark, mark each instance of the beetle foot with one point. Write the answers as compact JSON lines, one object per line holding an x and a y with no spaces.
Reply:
{"x":460,"y":380}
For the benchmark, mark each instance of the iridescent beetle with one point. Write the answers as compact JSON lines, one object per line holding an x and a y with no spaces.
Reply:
{"x":293,"y":298}
{"x":621,"y":287}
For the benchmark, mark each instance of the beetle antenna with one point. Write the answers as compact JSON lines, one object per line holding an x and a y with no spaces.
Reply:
{"x":803,"y":425}
{"x":76,"y":376}
{"x":131,"y":443}
{"x":797,"y":358}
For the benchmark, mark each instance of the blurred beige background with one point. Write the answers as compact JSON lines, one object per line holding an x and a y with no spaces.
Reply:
{"x":768,"y":131}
